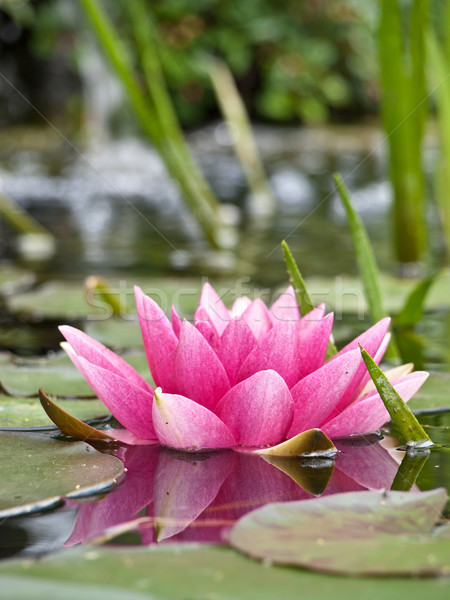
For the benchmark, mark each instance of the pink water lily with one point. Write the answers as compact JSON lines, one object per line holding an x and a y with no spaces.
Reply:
{"x":251,"y":376}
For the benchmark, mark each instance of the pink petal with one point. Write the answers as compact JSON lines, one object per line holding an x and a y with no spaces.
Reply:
{"x":212,"y":309}
{"x":309,"y":321}
{"x":369,"y":414}
{"x":372,"y":339}
{"x":279,"y":351}
{"x":183,"y":424}
{"x":316,"y":395}
{"x":176,"y":322}
{"x":208,"y":331}
{"x":197,"y":371}
{"x":239,"y":306}
{"x":99,"y":355}
{"x":131,"y":405}
{"x":259,"y":410}
{"x":285,"y":308}
{"x":233,"y":347}
{"x":258,"y":318}
{"x":184,"y":488}
{"x":313,"y":344}
{"x":159,"y":338}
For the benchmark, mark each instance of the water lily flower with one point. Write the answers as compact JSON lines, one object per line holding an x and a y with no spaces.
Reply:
{"x":251,"y":376}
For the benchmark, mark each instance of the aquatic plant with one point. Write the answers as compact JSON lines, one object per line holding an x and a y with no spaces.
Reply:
{"x":251,"y":376}
{"x":404,"y":110}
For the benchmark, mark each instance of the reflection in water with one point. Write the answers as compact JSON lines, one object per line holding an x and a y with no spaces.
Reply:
{"x":186,"y":497}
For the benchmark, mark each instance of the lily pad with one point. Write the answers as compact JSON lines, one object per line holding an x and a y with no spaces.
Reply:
{"x":22,"y":413}
{"x":434,"y":394}
{"x":345,"y":294}
{"x":203,"y":572}
{"x":67,"y":300}
{"x":116,"y":333}
{"x":363,"y":533}
{"x":57,"y":380}
{"x":57,"y":375}
{"x":37,"y":472}
{"x":51,"y":300}
{"x":14,"y":280}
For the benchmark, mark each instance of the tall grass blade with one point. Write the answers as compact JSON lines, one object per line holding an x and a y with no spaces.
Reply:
{"x":439,"y":71}
{"x":402,"y":65}
{"x":412,"y":310}
{"x":157,"y":118}
{"x":245,"y":147}
{"x":365,"y":257}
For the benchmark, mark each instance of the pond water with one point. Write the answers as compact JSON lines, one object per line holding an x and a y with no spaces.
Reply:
{"x":167,"y":496}
{"x":99,"y":205}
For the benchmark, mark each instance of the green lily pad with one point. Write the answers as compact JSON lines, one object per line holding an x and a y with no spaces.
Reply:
{"x":345,"y":294}
{"x":434,"y":394}
{"x":202,"y":572}
{"x":14,"y":280}
{"x":22,"y":413}
{"x":116,"y":333}
{"x":37,"y":472}
{"x":57,"y":375}
{"x":58,"y":380}
{"x":51,"y":300}
{"x":355,"y":533}
{"x":68,"y":301}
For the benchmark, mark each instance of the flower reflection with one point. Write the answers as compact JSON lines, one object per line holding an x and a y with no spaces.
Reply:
{"x":187,"y":498}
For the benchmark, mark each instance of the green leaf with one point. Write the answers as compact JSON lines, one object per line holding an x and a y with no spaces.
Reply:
{"x":368,"y":268}
{"x":355,"y":533}
{"x":203,"y":572}
{"x":37,"y":471}
{"x":407,"y":425}
{"x":412,"y":311}
{"x":22,"y":413}
{"x":301,"y":293}
{"x":68,"y":424}
{"x":310,"y":443}
{"x":365,"y":257}
{"x":303,"y":298}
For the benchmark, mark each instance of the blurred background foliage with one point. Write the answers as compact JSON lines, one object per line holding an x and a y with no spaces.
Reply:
{"x":294,"y":60}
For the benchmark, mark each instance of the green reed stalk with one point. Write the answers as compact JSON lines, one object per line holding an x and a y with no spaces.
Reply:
{"x":19,"y":219}
{"x":439,"y":69}
{"x":244,"y":143}
{"x":402,"y":62}
{"x":367,"y":264}
{"x":155,"y":113}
